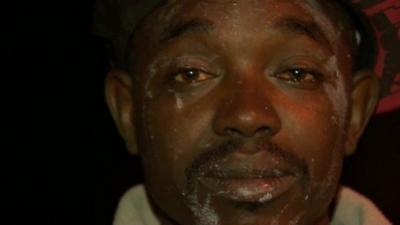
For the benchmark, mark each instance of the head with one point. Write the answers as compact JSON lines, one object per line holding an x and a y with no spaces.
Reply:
{"x":242,"y":111}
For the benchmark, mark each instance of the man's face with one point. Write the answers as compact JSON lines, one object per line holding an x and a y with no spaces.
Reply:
{"x":241,"y":110}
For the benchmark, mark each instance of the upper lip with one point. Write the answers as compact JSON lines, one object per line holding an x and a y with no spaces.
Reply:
{"x":258,"y":167}
{"x":249,"y":174}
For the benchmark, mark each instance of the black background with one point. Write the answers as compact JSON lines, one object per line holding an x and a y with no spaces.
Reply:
{"x":64,"y":161}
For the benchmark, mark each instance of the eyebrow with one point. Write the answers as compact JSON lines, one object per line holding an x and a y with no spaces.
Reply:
{"x":191,"y":26}
{"x":302,"y":27}
{"x":290,"y":24}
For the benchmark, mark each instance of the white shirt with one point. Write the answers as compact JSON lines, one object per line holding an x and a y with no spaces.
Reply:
{"x":352,"y":209}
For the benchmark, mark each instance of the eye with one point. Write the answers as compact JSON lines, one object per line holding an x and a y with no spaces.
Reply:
{"x":192,"y":76}
{"x":299,"y":76}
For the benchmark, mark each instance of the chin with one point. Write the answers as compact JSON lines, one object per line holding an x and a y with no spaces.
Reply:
{"x":295,"y":206}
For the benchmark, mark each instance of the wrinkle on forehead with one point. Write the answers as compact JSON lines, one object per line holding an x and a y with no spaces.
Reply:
{"x":230,"y":8}
{"x":315,"y":9}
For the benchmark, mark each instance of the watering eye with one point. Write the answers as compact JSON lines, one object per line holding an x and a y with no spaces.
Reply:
{"x":299,"y":77}
{"x":192,"y":76}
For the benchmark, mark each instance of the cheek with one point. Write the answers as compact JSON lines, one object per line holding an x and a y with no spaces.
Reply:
{"x":314,"y":130}
{"x":176,"y":128}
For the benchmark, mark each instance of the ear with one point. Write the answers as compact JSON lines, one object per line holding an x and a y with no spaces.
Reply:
{"x":118,"y":91}
{"x":364,"y":98}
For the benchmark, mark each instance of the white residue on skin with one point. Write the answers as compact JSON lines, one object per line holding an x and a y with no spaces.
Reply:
{"x":179,"y":102}
{"x":296,"y":219}
{"x":276,"y":218}
{"x":336,"y":93}
{"x":149,"y":94}
{"x":331,"y":65}
{"x":243,"y":191}
{"x":152,"y":73}
{"x":314,"y":9}
{"x":337,"y":96}
{"x":277,"y":172}
{"x":358,"y":37}
{"x":169,"y":11}
{"x":203,"y":213}
{"x":265,"y":198}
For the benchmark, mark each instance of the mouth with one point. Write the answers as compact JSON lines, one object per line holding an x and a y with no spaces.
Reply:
{"x":249,"y":186}
{"x":263,"y":176}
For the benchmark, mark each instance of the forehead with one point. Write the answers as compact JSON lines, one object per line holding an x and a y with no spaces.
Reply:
{"x":185,"y":8}
{"x":250,"y":14}
{"x":235,"y":19}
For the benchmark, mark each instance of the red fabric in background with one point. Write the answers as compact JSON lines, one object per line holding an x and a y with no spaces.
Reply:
{"x":384,"y":16}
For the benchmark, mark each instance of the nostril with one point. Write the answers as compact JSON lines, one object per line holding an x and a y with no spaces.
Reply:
{"x":265,"y":130}
{"x":232,"y":131}
{"x":260,"y":131}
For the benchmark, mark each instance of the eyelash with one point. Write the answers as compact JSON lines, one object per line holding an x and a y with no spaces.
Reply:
{"x":195,"y":72}
{"x":298,"y":79}
{"x":294,"y":76}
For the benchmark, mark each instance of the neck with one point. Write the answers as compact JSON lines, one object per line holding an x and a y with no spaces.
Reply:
{"x":161,"y":215}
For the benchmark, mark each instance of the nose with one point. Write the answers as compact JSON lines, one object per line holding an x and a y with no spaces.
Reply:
{"x":247,"y":112}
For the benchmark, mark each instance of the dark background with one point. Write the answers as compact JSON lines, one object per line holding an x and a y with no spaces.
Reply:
{"x":64,"y":161}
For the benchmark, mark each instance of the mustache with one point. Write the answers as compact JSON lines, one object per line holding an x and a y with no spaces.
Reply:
{"x":206,"y":161}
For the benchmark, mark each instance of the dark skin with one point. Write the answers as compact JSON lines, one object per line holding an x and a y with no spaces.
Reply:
{"x":242,"y":111}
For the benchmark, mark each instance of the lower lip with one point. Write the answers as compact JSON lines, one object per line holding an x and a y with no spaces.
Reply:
{"x":249,"y":189}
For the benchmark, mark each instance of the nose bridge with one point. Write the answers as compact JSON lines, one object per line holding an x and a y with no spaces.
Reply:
{"x":248,"y":97}
{"x":247,"y":109}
